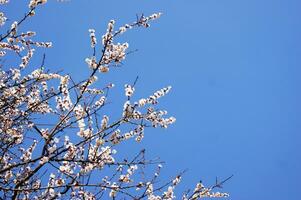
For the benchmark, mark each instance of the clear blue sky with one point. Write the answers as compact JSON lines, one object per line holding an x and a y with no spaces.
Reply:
{"x":235,"y":70}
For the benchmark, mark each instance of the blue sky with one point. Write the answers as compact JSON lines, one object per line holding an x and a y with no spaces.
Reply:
{"x":235,"y":71}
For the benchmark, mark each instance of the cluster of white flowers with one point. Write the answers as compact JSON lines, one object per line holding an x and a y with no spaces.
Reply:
{"x":85,"y":133}
{"x":52,"y":148}
{"x":38,"y":74}
{"x":71,"y":149}
{"x":144,"y":21}
{"x":124,"y":28}
{"x":150,"y":189}
{"x":98,"y":157}
{"x":155,"y":117}
{"x":34,"y":97}
{"x":91,"y":62}
{"x":25,"y":59}
{"x":200,"y":191}
{"x":104,"y":68}
{"x":115,"y":137}
{"x":44,"y":160}
{"x":94,"y":91}
{"x":128,"y":110}
{"x":64,"y":102}
{"x":138,"y":132}
{"x":50,"y":193}
{"x":66,"y":167}
{"x":84,"y":87}
{"x":16,"y":75}
{"x":160,"y":93}
{"x":125,"y":178}
{"x":42,"y":44}
{"x":6,"y":46}
{"x":169,"y":194}
{"x":27,"y":153}
{"x":115,"y":53}
{"x":100,"y":102}
{"x":154,"y":16}
{"x":108,"y":37}
{"x":82,"y":194}
{"x":176,"y":181}
{"x":153,"y":99}
{"x":35,"y":3}
{"x":79,"y":115}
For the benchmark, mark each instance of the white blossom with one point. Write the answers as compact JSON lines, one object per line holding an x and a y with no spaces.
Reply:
{"x":92,"y":37}
{"x":34,"y":3}
{"x":2,"y":19}
{"x":104,"y":122}
{"x":129,"y":90}
{"x":4,"y":1}
{"x":13,"y":28}
{"x":91,"y":62}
